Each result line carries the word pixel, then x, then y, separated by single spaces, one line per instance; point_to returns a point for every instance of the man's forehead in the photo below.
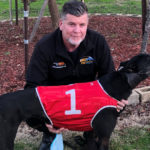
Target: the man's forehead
pixel 73 18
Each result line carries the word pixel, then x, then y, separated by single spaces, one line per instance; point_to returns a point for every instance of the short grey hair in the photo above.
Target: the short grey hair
pixel 74 7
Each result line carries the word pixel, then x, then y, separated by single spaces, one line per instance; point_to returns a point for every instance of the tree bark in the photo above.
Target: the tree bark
pixel 38 20
pixel 147 31
pixel 144 10
pixel 10 11
pixel 53 9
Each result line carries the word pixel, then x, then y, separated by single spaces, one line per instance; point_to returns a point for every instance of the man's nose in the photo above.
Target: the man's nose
pixel 77 28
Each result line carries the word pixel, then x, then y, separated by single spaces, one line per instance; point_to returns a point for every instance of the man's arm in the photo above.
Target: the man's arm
pixel 37 72
pixel 105 60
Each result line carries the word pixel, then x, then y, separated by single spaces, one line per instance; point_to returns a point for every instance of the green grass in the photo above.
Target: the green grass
pixel 114 6
pixel 94 6
pixel 4 9
pixel 23 146
pixel 131 139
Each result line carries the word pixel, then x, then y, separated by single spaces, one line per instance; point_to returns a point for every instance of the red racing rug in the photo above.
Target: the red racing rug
pixel 74 106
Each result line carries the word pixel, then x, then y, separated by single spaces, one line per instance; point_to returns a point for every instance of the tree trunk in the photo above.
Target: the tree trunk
pixel 54 13
pixel 10 11
pixel 144 10
pixel 147 31
pixel 38 20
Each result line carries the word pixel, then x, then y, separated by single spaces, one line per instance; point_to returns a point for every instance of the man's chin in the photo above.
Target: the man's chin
pixel 75 43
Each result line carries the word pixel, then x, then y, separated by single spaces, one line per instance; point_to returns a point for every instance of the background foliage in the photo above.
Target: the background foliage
pixel 94 6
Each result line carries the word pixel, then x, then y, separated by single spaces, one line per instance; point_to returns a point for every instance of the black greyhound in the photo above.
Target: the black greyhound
pixel 21 105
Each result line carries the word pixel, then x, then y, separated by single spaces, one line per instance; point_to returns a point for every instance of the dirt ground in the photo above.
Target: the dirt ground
pixel 124 35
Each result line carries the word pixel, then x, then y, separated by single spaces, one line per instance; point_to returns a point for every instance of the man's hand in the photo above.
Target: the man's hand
pixel 121 104
pixel 56 131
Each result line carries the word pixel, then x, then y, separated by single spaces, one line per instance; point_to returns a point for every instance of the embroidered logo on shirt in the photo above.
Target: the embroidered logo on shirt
pixel 86 60
pixel 59 65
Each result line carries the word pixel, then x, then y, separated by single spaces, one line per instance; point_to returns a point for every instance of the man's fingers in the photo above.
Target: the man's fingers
pixel 121 104
pixel 125 102
pixel 53 130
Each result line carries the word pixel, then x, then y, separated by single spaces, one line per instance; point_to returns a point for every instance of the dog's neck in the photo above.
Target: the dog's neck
pixel 120 84
pixel 133 79
pixel 116 85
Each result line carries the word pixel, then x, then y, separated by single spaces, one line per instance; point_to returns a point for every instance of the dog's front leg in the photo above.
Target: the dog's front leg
pixel 91 145
pixel 103 125
pixel 91 141
pixel 96 143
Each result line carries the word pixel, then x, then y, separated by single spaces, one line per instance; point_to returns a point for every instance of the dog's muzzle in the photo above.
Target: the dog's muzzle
pixel 147 73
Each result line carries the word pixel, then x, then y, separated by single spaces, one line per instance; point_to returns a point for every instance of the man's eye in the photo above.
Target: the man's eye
pixel 71 24
pixel 82 25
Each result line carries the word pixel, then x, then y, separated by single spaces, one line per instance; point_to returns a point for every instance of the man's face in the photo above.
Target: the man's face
pixel 74 29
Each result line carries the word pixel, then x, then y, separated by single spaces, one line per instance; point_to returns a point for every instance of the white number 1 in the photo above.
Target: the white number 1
pixel 73 110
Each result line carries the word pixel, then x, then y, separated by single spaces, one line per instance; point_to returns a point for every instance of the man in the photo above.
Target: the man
pixel 70 54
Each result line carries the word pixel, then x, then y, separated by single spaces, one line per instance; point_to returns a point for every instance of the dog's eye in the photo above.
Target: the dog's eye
pixel 130 70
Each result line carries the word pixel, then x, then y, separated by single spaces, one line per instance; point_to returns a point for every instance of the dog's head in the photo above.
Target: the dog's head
pixel 139 64
pixel 136 69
